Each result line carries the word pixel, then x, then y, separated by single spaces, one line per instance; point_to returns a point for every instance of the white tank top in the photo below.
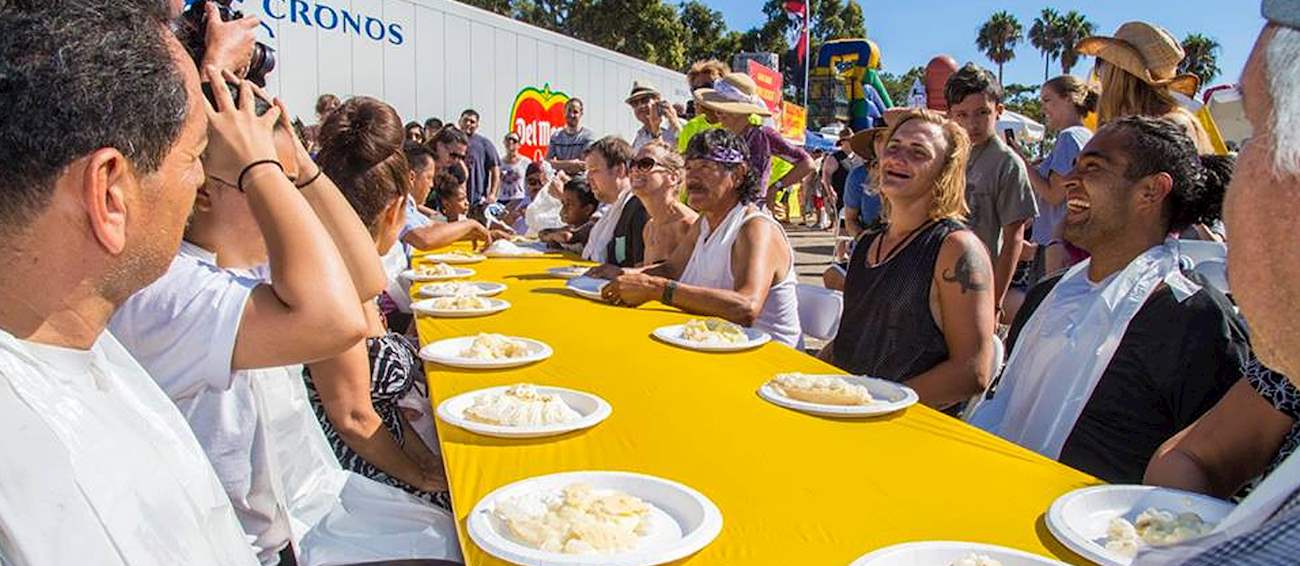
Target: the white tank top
pixel 710 266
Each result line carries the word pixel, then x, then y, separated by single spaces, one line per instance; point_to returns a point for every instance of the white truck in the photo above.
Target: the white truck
pixel 436 58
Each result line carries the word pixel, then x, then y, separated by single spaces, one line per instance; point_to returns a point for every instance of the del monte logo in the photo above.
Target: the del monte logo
pixel 534 115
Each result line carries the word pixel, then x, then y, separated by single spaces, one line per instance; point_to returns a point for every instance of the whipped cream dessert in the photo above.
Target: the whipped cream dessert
pixel 822 389
pixel 578 519
pixel 1156 527
pixel 494 347
pixel 506 247
pixel 975 560
pixel 520 405
pixel 713 331
pixel 436 268
pixel 461 302
pixel 452 288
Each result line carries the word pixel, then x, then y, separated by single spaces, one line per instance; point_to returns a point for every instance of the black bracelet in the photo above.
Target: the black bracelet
pixel 669 289
pixel 239 183
pixel 313 178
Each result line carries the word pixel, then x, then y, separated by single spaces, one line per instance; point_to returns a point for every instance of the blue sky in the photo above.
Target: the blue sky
pixel 910 32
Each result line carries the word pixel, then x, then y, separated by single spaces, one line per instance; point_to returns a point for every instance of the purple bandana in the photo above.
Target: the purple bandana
pixel 725 155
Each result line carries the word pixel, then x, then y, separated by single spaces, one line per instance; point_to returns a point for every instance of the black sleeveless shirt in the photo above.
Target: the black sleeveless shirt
pixel 887 330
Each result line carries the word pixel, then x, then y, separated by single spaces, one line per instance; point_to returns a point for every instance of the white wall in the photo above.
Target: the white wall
pixel 448 57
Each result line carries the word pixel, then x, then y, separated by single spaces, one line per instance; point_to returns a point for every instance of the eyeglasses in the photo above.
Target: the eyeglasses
pixel 459 156
pixel 645 164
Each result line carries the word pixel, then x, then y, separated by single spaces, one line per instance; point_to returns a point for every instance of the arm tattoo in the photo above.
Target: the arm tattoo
pixel 967 273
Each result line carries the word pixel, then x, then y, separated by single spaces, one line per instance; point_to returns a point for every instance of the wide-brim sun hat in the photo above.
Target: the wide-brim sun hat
pixel 642 90
pixel 734 93
pixel 863 142
pixel 1145 51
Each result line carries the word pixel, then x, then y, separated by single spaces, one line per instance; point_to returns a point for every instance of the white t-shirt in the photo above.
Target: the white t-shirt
pixel 99 467
pixel 261 434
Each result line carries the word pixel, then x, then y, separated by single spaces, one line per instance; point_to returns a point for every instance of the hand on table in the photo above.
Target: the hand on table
pixel 606 271
pixel 633 289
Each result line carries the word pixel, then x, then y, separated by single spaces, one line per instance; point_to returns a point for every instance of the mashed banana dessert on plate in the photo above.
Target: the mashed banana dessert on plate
pixel 494 347
pixel 713 331
pixel 520 405
pixel 452 288
pixel 578 520
pixel 821 389
pixel 437 268
pixel 976 560
pixel 1156 527
pixel 464 302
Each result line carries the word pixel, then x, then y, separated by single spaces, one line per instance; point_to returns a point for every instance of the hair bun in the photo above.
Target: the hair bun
pixel 367 129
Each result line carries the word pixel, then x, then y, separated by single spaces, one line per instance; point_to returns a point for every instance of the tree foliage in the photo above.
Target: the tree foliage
pixel 1073 28
pixel 1044 35
pixel 998 38
pixel 707 36
pixel 1201 57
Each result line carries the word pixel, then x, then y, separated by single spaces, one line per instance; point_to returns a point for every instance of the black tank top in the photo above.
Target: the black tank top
pixel 887 330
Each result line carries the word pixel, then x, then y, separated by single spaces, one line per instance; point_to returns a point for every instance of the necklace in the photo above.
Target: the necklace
pixel 894 249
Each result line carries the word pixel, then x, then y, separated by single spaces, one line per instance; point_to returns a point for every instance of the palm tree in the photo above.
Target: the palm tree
pixel 1201 58
pixel 1043 36
pixel 998 38
pixel 1073 28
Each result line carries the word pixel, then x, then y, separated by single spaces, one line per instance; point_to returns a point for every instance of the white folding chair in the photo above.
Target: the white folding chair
pixel 1200 250
pixel 999 352
pixel 1215 272
pixel 819 310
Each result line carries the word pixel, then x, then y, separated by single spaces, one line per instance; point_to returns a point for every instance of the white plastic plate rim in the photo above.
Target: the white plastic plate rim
pixel 498 545
pixel 576 286
pixel 907 398
pixel 567 272
pixel 425 307
pixel 456 259
pixel 430 352
pixel 452 410
pixel 944 549
pixel 485 289
pixel 672 334
pixel 460 273
pixel 1066 529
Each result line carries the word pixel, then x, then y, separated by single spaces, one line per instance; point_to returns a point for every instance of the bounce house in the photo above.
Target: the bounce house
pixel 849 66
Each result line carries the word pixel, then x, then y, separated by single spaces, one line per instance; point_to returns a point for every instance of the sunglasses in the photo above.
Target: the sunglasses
pixel 459 156
pixel 644 164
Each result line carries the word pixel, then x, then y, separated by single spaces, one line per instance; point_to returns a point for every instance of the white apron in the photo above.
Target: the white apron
pixel 1066 345
pixel 710 266
pixel 135 464
pixel 603 231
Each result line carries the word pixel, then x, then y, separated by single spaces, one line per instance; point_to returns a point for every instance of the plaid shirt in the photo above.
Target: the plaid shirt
pixel 1275 543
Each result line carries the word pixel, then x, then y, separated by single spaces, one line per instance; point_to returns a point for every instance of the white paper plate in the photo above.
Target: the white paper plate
pixel 682 521
pixel 592 408
pixel 426 307
pixel 888 397
pixel 478 288
pixel 1078 519
pixel 673 335
pixel 587 287
pixel 456 259
pixel 568 271
pixel 460 273
pixel 447 352
pixel 943 553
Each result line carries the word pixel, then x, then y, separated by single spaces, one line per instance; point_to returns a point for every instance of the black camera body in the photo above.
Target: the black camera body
pixel 194 26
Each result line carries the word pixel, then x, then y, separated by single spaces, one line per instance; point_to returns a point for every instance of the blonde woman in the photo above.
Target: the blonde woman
pixel 918 296
pixel 1138 68
pixel 656 177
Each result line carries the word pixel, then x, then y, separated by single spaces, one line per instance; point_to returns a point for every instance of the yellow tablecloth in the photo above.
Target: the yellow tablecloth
pixel 793 489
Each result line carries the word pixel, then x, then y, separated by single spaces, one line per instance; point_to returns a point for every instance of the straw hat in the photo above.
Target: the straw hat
pixel 863 142
pixel 1145 51
pixel 642 90
pixel 734 93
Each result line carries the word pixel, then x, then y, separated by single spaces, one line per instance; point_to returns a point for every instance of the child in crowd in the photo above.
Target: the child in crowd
pixel 578 211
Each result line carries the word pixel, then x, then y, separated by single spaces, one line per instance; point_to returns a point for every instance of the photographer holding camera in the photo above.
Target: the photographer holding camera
pixel 225 38
pixel 100 140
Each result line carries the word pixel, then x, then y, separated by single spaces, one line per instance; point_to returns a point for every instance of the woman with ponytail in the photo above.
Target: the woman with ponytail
pixel 1066 100
pixel 356 394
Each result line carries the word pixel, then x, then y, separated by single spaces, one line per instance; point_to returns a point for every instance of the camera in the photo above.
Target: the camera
pixel 192 31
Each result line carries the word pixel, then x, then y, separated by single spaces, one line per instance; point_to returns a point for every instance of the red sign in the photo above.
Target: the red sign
pixel 534 115
pixel 769 85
